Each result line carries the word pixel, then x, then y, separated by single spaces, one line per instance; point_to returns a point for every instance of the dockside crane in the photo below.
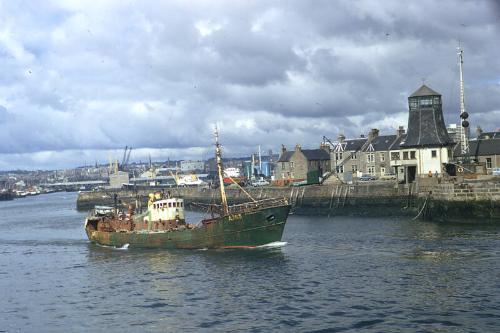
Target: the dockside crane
pixel 125 158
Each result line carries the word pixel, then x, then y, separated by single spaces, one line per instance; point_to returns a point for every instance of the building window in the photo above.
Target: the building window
pixel 382 171
pixel 426 102
pixel 413 103
pixel 340 169
pixel 370 157
pixel 371 170
pixel 291 165
pixel 394 155
pixel 382 157
pixel 353 155
pixel 282 165
pixel 488 162
pixel 434 153
pixel 354 167
pixel 412 155
pixel 338 156
pixel 405 155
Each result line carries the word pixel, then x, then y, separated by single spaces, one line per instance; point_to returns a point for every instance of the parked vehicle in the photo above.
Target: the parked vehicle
pixel 388 176
pixel 495 172
pixel 365 178
pixel 259 182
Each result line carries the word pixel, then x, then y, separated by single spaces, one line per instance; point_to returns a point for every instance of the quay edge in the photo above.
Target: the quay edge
pixel 322 200
pixel 465 202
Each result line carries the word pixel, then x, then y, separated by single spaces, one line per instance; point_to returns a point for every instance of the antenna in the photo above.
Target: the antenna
pixel 464 138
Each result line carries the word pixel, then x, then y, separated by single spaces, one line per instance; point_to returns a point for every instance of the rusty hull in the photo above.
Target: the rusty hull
pixel 246 229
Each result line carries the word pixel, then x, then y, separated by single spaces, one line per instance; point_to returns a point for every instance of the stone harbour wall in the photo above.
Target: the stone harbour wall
pixel 478 202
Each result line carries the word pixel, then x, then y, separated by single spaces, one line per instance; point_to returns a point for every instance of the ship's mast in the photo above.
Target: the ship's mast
pixel 464 140
pixel 218 157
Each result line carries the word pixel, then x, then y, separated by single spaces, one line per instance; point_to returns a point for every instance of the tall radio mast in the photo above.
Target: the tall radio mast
pixel 464 137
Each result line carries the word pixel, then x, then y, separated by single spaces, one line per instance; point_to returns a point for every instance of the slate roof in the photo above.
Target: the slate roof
pixel 310 154
pixel 481 147
pixel 285 157
pixel 352 144
pixel 316 154
pixel 383 142
pixel 489 135
pixel 424 91
pixel 396 144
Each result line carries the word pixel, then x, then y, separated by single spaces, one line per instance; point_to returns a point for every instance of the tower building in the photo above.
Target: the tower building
pixel 427 140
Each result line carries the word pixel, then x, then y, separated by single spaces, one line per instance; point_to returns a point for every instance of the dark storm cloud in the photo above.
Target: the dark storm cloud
pixel 92 77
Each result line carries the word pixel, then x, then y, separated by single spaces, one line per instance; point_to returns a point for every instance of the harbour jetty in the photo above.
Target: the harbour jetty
pixel 475 201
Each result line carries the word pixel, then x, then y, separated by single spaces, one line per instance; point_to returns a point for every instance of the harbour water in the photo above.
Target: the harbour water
pixel 333 275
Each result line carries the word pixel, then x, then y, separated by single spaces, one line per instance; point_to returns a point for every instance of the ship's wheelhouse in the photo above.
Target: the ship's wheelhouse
pixel 166 210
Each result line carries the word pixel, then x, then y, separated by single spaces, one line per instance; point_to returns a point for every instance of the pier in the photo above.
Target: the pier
pixel 471 201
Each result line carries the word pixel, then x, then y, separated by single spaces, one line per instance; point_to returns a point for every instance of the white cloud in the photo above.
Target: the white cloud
pixel 92 77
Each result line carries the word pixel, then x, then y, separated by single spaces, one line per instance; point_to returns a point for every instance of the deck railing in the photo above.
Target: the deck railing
pixel 255 205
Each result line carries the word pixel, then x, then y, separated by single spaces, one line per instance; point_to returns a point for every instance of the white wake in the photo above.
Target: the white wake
pixel 272 245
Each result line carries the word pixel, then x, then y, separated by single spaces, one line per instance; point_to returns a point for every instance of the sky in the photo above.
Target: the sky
pixel 80 80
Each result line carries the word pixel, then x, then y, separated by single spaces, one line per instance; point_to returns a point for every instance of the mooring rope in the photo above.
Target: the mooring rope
pixel 423 206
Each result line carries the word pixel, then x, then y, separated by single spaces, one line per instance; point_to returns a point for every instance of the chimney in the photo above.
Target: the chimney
pixel 325 147
pixel 341 138
pixel 373 134
pixel 479 131
pixel 283 149
pixel 297 147
pixel 400 131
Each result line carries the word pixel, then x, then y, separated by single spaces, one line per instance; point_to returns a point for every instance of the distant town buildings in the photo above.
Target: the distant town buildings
pixel 190 166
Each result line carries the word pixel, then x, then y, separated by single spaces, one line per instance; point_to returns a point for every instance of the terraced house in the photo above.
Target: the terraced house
pixel 302 164
pixel 485 148
pixel 364 155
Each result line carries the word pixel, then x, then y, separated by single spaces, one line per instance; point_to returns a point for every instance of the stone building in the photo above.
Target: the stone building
pixel 364 155
pixel 485 148
pixel 297 164
pixel 427 146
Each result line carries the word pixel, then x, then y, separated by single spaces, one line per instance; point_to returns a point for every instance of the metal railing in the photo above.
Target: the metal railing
pixel 259 204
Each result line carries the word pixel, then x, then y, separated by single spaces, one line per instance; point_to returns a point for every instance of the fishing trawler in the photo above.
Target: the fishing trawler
pixel 163 225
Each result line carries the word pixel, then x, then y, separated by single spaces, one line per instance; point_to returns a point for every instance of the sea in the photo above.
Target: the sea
pixel 337 274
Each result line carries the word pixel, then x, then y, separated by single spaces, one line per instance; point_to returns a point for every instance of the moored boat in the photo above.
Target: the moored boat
pixel 163 224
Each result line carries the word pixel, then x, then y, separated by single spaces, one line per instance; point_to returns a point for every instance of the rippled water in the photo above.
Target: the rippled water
pixel 333 275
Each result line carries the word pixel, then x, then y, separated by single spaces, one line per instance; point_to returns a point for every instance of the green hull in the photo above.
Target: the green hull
pixel 248 229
